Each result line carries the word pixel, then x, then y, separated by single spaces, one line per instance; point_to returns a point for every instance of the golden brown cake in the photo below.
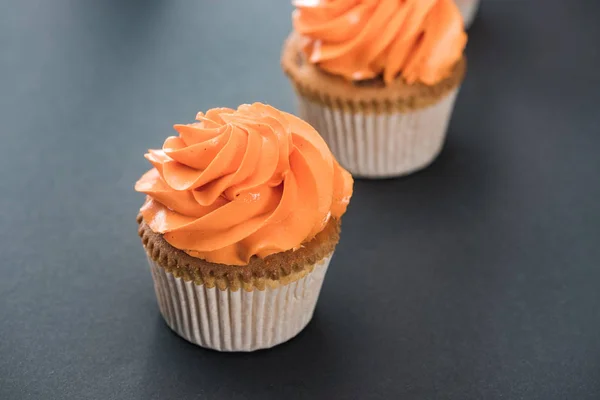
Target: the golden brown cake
pixel 370 96
pixel 272 271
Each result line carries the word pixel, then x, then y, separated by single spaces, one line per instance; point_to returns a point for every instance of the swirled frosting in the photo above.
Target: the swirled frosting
pixel 238 183
pixel 362 39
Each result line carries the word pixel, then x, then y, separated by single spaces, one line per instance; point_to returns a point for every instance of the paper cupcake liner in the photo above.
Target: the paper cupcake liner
pixel 237 320
pixel 468 10
pixel 382 145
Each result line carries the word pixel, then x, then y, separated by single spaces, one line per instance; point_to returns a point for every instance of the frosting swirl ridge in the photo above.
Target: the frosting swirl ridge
pixel 238 183
pixel 362 39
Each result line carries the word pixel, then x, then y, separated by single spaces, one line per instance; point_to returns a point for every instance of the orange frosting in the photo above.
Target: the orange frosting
pixel 363 39
pixel 238 183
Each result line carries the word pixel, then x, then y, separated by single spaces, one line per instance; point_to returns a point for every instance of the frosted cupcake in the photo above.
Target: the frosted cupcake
pixel 378 78
pixel 468 10
pixel 240 222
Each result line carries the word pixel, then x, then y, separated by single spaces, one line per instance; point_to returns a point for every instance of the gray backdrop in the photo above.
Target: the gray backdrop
pixel 474 279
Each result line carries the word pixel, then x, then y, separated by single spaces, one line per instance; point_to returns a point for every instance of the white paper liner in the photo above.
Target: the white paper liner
pixel 468 10
pixel 227 320
pixel 382 145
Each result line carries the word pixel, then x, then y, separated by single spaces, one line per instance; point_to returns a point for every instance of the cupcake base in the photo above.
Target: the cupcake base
pixel 239 308
pixel 375 130
pixel 468 10
pixel 382 145
pixel 240 320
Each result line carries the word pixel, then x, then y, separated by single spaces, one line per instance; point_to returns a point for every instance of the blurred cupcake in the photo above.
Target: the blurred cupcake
pixel 240 222
pixel 377 78
pixel 468 10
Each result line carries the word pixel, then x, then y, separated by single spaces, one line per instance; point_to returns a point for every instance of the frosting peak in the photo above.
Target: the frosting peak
pixel 238 183
pixel 362 39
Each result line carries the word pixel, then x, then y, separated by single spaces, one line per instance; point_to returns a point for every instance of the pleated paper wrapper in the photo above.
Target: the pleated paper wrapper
pixel 240 320
pixel 381 145
pixel 468 9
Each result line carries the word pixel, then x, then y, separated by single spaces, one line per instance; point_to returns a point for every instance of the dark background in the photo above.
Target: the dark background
pixel 477 278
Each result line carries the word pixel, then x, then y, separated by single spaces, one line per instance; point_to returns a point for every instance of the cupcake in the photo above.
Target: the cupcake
pixel 377 79
pixel 241 219
pixel 468 10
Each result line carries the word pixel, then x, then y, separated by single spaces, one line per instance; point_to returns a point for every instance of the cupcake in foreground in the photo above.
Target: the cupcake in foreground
pixel 241 218
pixel 377 78
pixel 468 10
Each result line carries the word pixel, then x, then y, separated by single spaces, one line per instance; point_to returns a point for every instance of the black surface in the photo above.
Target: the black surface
pixel 475 279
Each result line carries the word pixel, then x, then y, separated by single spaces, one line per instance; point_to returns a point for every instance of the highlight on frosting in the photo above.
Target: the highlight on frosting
pixel 420 40
pixel 245 182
